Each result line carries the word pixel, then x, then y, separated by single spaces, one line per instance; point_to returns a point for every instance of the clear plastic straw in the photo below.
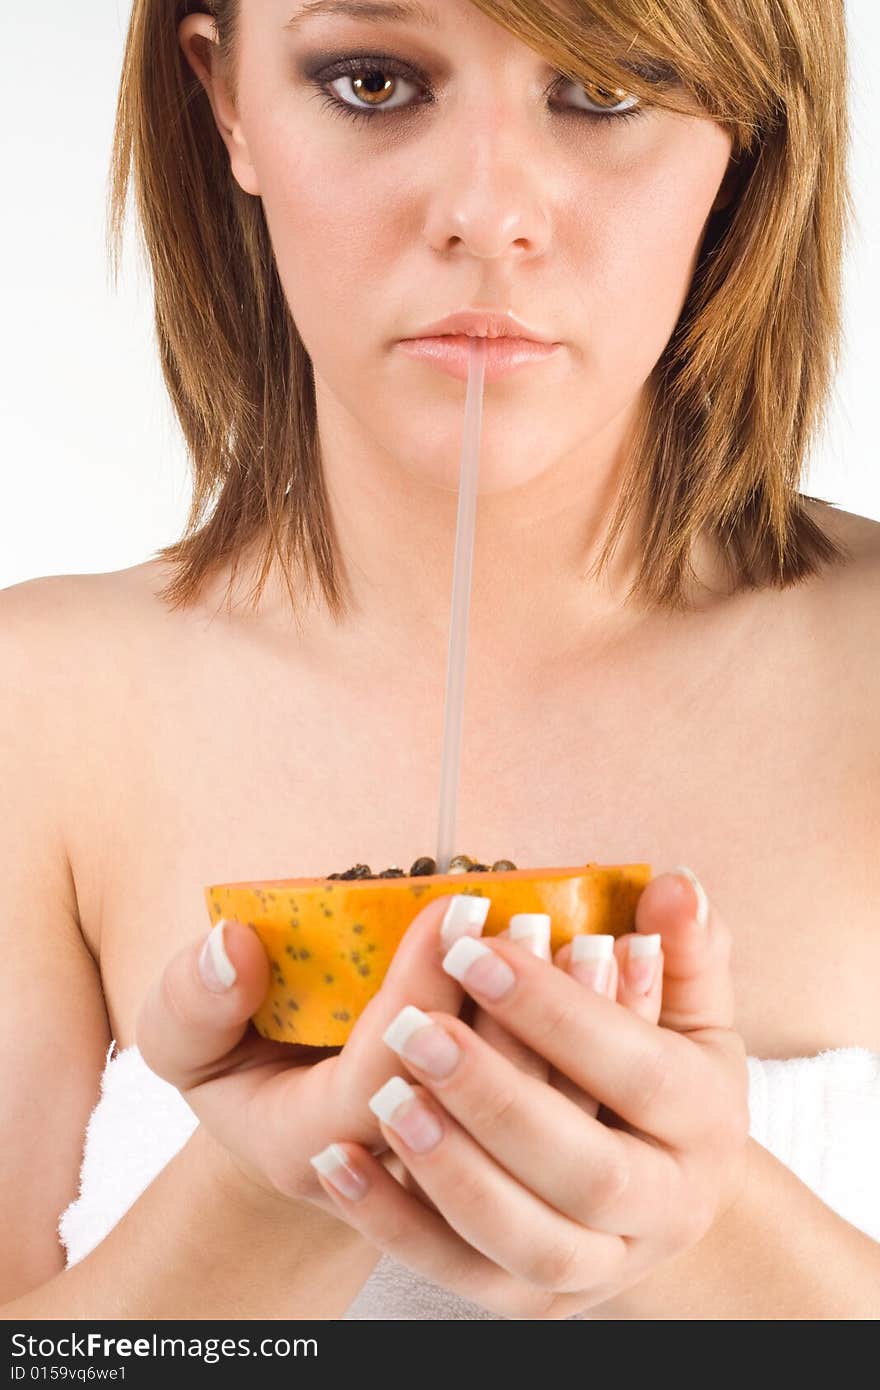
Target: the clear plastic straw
pixel 460 607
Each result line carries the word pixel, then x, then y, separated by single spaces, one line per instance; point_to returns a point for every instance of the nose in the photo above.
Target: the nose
pixel 488 195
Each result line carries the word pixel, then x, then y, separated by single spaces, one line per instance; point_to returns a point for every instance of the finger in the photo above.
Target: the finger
pixel 190 1021
pixel 601 1177
pixel 414 976
pixel 640 973
pixel 697 983
pixel 589 959
pixel 484 1201
pixel 532 933
pixel 406 1230
pixel 643 1073
pixel 392 1164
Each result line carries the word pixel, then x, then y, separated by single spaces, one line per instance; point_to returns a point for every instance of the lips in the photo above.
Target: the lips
pixel 482 323
pixel 451 352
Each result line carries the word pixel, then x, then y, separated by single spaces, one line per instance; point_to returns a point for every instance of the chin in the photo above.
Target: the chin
pixel 496 474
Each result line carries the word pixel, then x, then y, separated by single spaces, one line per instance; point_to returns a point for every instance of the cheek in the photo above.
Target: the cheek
pixel 643 268
pixel 334 238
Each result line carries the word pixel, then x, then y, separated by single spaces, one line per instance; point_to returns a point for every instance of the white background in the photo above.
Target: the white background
pixel 92 465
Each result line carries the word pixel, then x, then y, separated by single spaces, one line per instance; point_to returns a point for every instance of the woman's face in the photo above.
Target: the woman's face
pixel 478 177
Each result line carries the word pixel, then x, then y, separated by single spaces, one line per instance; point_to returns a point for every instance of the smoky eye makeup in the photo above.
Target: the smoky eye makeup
pixel 316 64
pixel 322 69
pixel 315 61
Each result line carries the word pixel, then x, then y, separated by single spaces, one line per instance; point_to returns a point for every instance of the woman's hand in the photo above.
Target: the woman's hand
pixel 601 964
pixel 272 1105
pixel 541 1209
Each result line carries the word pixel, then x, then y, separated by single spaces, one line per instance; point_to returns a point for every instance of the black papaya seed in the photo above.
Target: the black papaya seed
pixel 425 865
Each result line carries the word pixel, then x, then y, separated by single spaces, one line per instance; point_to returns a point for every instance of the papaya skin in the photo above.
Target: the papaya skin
pixel 330 941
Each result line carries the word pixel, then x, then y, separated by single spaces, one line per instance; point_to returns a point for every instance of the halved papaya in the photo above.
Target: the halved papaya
pixel 330 941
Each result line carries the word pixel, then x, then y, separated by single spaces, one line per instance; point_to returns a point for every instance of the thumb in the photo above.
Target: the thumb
pixel 696 944
pixel 198 1010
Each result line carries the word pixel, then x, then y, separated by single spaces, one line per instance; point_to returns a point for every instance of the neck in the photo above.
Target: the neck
pixel 533 601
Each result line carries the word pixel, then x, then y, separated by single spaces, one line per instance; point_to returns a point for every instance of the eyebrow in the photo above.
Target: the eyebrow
pixel 369 11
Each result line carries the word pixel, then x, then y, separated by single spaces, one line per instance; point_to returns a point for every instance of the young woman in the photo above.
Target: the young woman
pixel 672 659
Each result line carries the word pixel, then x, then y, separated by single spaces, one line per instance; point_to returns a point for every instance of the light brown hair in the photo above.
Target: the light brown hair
pixel 734 401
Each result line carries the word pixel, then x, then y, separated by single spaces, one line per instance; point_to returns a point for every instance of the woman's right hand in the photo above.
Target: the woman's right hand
pixel 272 1105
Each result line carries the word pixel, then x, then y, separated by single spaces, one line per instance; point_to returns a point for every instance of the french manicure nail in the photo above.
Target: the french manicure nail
pixel 531 930
pixel 475 965
pixel 642 958
pixel 465 916
pixel 590 961
pixel 215 967
pixel 415 1036
pixel 334 1165
pixel 398 1106
pixel 702 901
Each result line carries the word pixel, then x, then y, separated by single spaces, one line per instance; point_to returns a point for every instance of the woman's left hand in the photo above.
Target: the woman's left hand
pixel 541 1209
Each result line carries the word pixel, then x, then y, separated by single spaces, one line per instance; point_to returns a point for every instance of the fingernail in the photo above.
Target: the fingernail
pixel 215 967
pixel 702 901
pixel 532 930
pixel 398 1106
pixel 465 916
pixel 590 960
pixel 475 965
pixel 416 1037
pixel 334 1164
pixel 642 958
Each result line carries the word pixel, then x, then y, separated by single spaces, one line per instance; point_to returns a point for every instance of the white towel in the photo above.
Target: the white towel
pixel 819 1115
pixel 139 1123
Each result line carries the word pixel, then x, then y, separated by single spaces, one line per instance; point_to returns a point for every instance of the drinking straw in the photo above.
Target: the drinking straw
pixel 460 606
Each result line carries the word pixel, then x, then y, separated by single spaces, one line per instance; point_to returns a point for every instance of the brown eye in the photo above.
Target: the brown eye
pixel 379 85
pixel 373 87
pixel 602 94
pixel 607 102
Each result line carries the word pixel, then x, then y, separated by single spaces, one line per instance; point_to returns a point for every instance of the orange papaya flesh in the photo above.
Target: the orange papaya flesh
pixel 330 941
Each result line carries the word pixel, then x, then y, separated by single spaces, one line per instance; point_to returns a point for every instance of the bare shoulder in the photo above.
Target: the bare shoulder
pixel 858 530
pixel 59 633
pixel 87 644
pixel 68 602
pixel 80 640
pixel 851 588
pixel 74 627
pixel 843 615
pixel 65 642
pixel 42 625
pixel 42 655
pixel 860 534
